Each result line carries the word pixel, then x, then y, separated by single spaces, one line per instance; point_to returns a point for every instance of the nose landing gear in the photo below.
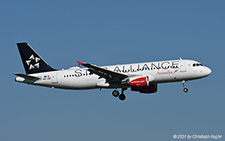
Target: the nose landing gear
pixel 184 85
pixel 185 90
pixel 122 96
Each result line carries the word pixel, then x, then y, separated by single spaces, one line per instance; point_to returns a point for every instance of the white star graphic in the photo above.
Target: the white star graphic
pixel 32 66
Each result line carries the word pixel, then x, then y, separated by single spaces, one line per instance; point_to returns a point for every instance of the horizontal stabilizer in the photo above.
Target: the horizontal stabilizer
pixel 27 76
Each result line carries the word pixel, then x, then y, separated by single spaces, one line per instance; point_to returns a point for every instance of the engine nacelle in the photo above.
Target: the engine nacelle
pixel 152 88
pixel 138 81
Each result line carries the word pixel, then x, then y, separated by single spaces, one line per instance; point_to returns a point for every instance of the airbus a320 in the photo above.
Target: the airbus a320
pixel 140 77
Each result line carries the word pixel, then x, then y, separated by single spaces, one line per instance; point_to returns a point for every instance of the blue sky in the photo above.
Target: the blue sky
pixel 105 33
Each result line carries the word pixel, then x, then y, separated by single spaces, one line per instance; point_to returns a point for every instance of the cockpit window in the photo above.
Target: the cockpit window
pixel 197 64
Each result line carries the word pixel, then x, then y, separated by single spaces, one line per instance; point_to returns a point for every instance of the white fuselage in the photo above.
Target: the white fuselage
pixel 159 72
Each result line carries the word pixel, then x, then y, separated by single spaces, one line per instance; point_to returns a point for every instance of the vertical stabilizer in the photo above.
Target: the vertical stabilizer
pixel 32 62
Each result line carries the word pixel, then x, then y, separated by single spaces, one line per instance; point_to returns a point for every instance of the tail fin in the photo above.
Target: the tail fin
pixel 32 62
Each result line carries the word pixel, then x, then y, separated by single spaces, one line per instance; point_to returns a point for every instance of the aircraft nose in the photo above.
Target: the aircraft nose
pixel 207 71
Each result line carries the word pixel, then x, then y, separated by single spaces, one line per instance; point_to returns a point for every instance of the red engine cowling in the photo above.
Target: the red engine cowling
pixel 152 88
pixel 139 82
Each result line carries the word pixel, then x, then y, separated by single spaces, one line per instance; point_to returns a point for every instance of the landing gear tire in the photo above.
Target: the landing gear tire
pixel 115 93
pixel 122 97
pixel 185 90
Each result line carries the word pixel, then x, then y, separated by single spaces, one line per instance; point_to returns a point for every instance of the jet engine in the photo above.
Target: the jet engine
pixel 141 83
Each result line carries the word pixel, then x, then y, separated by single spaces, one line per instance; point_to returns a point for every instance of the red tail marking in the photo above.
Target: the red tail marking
pixel 79 63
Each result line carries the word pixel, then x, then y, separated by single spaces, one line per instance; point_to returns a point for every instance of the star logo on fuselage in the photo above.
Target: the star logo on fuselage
pixel 32 62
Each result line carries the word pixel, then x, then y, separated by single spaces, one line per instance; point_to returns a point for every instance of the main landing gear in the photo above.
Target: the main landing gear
pixel 115 93
pixel 122 97
pixel 184 85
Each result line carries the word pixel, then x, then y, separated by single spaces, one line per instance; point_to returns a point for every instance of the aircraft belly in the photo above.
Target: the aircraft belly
pixel 159 79
pixel 85 84
pixel 79 83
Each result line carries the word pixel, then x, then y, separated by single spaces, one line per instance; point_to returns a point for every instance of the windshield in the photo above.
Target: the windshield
pixel 197 64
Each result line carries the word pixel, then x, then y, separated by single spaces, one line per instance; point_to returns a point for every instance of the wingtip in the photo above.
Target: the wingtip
pixel 79 63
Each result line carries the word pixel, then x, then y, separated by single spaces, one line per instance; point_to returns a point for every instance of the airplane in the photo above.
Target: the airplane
pixel 140 77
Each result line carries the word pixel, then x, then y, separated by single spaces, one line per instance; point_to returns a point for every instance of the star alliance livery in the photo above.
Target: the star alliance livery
pixel 141 77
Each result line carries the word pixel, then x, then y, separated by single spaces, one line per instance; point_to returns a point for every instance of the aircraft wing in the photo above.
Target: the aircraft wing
pixel 109 75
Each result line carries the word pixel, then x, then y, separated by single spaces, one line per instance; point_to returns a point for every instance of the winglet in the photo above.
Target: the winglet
pixel 79 63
